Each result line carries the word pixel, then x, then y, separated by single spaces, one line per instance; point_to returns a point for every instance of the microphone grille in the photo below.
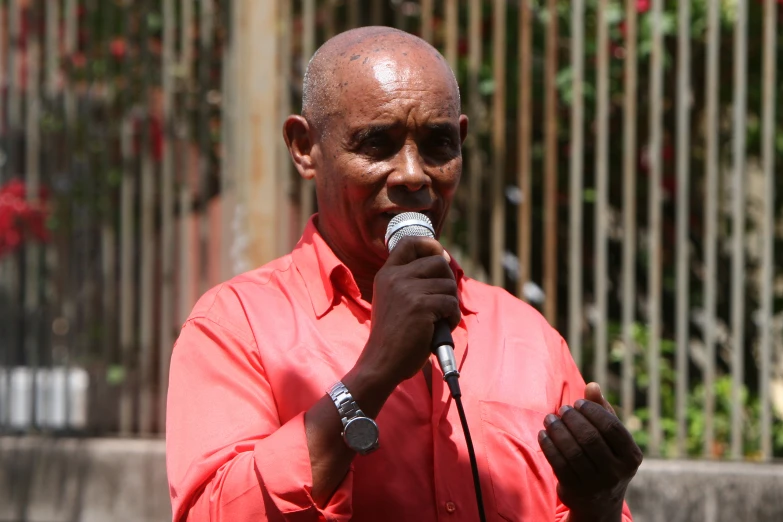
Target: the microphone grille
pixel 408 224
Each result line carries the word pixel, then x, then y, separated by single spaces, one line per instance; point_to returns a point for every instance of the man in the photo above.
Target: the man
pixel 265 360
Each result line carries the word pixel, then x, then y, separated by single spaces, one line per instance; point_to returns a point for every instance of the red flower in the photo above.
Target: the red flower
pixel 20 218
pixel 642 5
pixel 117 48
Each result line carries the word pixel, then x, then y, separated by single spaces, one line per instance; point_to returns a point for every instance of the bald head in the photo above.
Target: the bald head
pixel 359 53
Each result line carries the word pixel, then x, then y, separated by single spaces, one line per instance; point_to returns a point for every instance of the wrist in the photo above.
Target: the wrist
pixel 369 390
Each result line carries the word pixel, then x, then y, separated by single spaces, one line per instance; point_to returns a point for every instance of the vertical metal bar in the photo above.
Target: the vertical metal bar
pixel 5 363
pixel 525 138
pixel 654 274
pixel 427 7
pixel 452 23
pixel 185 165
pixel 683 214
pixel 286 170
pixel 576 182
pixel 768 226
pixel 52 286
pixel 306 188
pixel 227 181
pixel 3 126
pixel 52 51
pixel 738 226
pixel 550 166
pixel 32 176
pixel 14 96
pixel 498 141
pixel 107 217
pixel 6 358
pixel 148 246
pixel 602 196
pixel 127 271
pixel 167 214
pixel 452 31
pixel 206 36
pixel 69 44
pixel 69 308
pixel 711 221
pixel 474 160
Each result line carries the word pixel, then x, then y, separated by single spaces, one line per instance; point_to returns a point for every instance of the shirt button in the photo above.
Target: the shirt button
pixel 451 507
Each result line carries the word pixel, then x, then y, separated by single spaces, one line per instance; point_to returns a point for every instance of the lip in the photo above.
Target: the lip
pixel 390 213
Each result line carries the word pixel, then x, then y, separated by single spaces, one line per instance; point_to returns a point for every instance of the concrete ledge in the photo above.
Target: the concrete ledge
pixel 685 491
pixel 83 480
pixel 119 480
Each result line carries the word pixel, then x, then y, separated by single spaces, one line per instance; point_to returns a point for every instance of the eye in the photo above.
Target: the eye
pixel 441 146
pixel 376 145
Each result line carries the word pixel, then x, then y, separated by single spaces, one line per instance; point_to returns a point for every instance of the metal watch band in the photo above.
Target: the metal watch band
pixel 344 402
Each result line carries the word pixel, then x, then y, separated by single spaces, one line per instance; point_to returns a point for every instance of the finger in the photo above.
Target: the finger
pixel 411 248
pixel 443 307
pixel 429 267
pixel 617 437
pixel 565 475
pixel 566 443
pixel 438 286
pixel 593 393
pixel 588 437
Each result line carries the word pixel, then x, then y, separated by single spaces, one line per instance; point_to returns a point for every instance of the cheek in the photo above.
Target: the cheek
pixel 449 176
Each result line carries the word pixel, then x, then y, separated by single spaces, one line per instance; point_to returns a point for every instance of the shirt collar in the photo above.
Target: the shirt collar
pixel 320 268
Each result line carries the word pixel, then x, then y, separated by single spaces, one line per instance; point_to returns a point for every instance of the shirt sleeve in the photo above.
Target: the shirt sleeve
pixel 572 389
pixel 228 456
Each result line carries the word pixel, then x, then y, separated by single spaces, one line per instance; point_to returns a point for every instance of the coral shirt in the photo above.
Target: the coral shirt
pixel 261 349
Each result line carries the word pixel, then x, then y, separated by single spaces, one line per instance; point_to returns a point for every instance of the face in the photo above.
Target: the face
pixel 394 145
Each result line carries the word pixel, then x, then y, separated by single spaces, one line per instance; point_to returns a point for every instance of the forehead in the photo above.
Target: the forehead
pixel 397 84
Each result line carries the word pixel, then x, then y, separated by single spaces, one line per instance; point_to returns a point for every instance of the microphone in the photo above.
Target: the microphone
pixel 417 224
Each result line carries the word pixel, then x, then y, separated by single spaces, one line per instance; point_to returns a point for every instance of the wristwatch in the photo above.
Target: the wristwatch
pixel 360 432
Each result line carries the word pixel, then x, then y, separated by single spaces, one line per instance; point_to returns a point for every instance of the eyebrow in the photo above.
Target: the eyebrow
pixel 444 128
pixel 372 130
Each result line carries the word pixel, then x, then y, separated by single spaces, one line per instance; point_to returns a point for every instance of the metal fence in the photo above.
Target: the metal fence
pixel 620 175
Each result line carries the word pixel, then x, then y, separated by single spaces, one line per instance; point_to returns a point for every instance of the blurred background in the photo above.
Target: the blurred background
pixel 622 174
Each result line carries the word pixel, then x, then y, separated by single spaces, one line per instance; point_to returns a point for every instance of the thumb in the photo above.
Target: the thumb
pixel 593 394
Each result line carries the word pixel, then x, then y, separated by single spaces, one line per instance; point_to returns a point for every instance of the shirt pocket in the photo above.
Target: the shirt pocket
pixel 523 484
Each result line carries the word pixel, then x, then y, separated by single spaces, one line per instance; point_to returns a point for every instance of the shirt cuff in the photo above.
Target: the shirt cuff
pixel 283 465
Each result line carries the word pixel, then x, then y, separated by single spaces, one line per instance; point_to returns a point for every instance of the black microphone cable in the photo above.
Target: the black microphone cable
pixel 416 224
pixel 443 347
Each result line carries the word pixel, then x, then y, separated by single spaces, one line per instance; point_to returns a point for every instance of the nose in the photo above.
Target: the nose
pixel 409 171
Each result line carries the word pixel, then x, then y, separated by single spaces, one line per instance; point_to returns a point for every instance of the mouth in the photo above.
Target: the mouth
pixel 391 213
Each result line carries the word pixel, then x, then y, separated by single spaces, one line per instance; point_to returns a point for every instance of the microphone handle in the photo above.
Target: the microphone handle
pixel 443 348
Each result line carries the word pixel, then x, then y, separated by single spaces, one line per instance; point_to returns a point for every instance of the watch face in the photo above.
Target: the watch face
pixel 361 434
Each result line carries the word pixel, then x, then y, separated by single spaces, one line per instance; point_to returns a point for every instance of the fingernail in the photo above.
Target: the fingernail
pixel 579 403
pixel 542 436
pixel 549 419
pixel 447 256
pixel 563 409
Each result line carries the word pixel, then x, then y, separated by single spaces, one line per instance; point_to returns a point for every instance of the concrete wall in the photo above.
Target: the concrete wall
pixel 116 480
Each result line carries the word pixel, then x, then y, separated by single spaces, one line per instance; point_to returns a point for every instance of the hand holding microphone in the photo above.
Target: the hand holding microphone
pixel 413 292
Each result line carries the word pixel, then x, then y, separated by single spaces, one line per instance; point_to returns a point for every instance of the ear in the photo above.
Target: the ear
pixel 298 139
pixel 463 128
